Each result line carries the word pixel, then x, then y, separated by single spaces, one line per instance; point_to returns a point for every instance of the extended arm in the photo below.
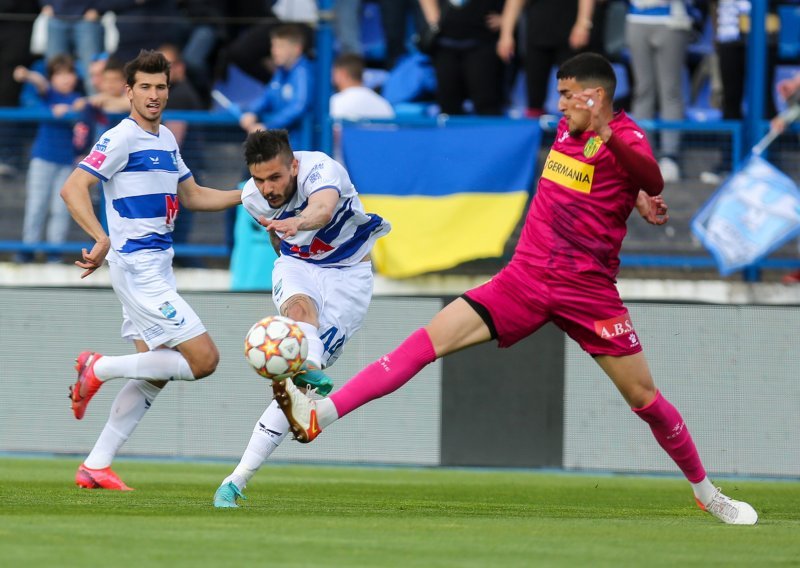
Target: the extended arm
pixel 642 167
pixel 316 215
pixel 25 75
pixel 75 194
pixel 200 198
pixel 652 208
pixel 581 29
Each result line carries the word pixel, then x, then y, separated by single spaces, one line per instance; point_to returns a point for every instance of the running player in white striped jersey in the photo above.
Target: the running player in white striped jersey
pixel 145 183
pixel 323 277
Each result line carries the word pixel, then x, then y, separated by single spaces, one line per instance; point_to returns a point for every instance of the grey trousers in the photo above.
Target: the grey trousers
pixel 43 203
pixel 658 58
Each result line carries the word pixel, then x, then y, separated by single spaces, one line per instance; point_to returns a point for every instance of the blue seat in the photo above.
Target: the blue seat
pixel 239 87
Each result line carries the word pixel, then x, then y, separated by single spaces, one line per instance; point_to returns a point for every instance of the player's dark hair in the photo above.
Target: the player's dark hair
pixel 351 64
pixel 113 64
pixel 148 61
pixel 60 63
pixel 590 69
pixel 265 145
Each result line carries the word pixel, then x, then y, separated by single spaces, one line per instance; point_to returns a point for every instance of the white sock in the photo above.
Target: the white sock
pixel 156 365
pixel 326 413
pixel 315 346
pixel 128 408
pixel 269 432
pixel 704 491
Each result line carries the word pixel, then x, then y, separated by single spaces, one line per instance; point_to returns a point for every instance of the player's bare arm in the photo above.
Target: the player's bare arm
pixel 200 198
pixel 506 44
pixel 275 241
pixel 652 208
pixel 316 215
pixel 75 194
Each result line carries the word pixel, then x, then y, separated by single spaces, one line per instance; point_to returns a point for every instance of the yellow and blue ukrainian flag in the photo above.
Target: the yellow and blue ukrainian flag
pixel 452 193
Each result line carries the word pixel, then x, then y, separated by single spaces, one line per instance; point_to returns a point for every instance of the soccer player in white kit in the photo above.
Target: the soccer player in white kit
pixel 323 276
pixel 145 183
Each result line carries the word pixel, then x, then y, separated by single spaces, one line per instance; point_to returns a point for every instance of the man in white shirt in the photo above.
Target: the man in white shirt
pixel 354 101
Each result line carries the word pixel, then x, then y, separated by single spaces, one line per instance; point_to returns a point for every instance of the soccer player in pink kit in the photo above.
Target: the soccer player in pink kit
pixel 564 270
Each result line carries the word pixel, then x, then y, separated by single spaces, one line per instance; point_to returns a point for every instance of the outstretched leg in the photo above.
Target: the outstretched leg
pixel 632 377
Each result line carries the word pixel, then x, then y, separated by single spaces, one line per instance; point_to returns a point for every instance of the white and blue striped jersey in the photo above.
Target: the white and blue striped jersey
pixel 140 172
pixel 350 234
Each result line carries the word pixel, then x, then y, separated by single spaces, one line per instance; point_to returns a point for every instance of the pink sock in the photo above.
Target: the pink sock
pixel 672 434
pixel 387 374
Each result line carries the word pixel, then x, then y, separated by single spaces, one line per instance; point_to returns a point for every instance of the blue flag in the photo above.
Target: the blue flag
pixel 753 213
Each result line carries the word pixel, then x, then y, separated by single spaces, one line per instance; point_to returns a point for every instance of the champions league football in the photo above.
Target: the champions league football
pixel 276 347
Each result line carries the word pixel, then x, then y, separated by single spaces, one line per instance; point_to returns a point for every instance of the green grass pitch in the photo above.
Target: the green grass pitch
pixel 375 517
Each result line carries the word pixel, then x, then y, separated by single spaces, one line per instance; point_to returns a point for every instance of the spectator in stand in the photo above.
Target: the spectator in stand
pixel 206 35
pixel 353 100
pixel 348 26
pixel 98 113
pixel 288 97
pixel 732 29
pixel 146 24
pixel 554 32
pixel 789 90
pixel 182 96
pixel 52 157
pixel 74 28
pixel 395 17
pixel 111 98
pixel 94 74
pixel 15 41
pixel 247 48
pixel 658 33
pixel 464 57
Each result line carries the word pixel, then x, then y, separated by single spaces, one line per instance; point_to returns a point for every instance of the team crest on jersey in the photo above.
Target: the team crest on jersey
pixel 592 146
pixel 168 310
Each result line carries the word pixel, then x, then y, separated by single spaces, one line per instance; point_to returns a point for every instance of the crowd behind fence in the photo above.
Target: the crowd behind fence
pixel 216 159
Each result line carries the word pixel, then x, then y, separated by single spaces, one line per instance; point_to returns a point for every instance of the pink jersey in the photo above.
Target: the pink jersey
pixel 576 221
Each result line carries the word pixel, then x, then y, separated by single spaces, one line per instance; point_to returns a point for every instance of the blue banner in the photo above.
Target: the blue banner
pixel 753 213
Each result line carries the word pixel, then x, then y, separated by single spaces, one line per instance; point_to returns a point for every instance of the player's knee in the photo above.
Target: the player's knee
pixel 299 308
pixel 205 364
pixel 641 396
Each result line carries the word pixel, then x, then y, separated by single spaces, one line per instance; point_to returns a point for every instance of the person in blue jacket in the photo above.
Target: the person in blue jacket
pixel 287 100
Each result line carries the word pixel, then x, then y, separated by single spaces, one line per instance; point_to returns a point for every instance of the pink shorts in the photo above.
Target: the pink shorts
pixel 520 299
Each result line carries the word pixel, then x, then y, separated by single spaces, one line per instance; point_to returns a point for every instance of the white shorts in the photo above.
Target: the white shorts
pixel 152 309
pixel 342 296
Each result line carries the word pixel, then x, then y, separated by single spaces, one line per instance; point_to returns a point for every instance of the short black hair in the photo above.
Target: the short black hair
pixel 114 64
pixel 148 61
pixel 265 145
pixel 352 64
pixel 290 32
pixel 590 68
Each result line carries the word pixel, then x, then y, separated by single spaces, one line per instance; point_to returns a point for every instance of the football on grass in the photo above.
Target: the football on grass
pixel 276 347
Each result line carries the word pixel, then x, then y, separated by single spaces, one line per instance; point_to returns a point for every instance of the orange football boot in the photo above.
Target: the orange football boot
pixel 87 384
pixel 99 479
